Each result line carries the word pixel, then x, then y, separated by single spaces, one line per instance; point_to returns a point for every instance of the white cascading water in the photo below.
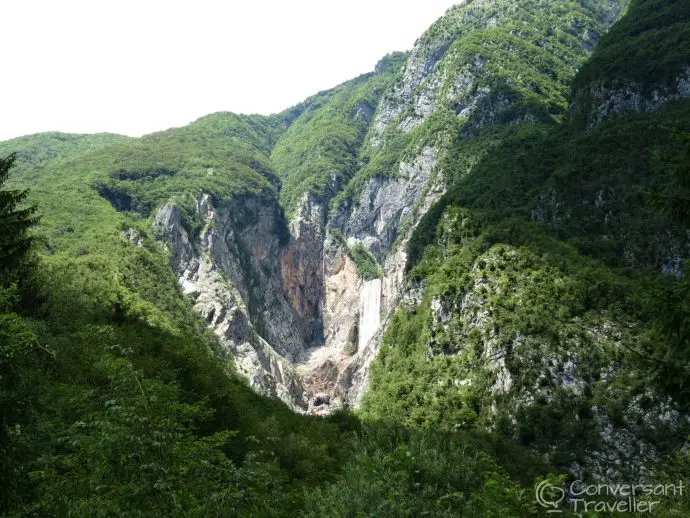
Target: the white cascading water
pixel 369 310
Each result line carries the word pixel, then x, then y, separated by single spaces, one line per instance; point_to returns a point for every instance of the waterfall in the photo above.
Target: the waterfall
pixel 369 310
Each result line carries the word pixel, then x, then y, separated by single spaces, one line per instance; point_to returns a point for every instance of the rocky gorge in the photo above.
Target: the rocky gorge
pixel 424 291
pixel 285 296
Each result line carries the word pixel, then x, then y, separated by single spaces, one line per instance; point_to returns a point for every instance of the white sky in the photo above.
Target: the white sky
pixel 133 67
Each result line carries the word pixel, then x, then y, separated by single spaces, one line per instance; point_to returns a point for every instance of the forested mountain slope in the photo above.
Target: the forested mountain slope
pixel 538 309
pixel 480 245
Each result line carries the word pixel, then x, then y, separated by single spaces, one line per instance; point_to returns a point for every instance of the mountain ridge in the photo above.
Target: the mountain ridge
pixel 462 244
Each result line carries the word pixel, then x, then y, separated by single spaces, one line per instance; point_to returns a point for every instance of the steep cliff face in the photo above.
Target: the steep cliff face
pixel 604 100
pixel 274 270
pixel 504 334
pixel 361 166
pixel 452 84
pixel 534 331
pixel 385 203
pixel 358 309
pixel 232 274
pixel 301 265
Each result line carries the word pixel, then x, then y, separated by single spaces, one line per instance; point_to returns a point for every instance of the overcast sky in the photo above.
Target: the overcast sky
pixel 133 67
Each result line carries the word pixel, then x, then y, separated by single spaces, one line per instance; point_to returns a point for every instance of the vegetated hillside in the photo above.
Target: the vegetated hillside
pixel 222 154
pixel 483 66
pixel 117 400
pixel 647 49
pixel 463 72
pixel 36 150
pixel 539 311
pixel 318 153
pixel 113 400
pixel 535 336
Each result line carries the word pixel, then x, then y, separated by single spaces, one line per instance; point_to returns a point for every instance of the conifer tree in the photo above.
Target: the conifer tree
pixel 14 221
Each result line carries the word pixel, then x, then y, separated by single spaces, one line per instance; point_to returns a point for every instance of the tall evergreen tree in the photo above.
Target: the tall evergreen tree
pixel 18 345
pixel 14 221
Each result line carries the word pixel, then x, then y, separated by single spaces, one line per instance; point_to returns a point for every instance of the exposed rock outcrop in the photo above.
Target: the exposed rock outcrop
pixel 566 371
pixel 387 212
pixel 294 286
pixel 604 101
pixel 384 203
pixel 301 264
pixel 225 270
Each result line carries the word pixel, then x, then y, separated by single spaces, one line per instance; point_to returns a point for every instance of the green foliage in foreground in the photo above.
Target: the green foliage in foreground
pixel 116 399
pixel 131 411
pixel 113 402
pixel 398 473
